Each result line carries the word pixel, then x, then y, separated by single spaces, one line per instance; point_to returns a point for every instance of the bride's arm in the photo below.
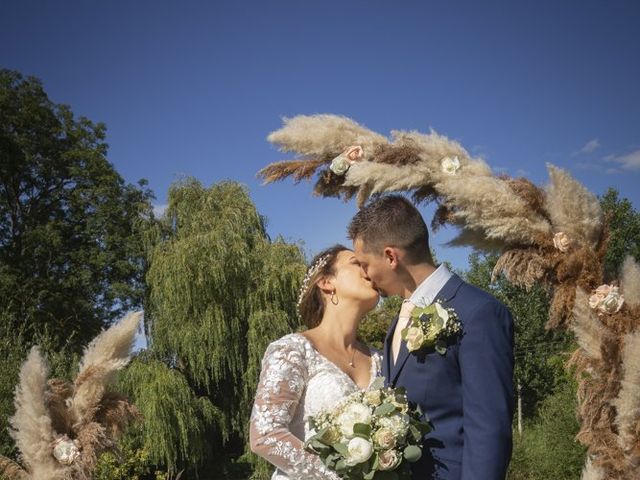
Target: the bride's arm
pixel 282 382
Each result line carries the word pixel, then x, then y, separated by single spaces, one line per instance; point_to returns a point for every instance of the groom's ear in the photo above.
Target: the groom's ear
pixel 391 256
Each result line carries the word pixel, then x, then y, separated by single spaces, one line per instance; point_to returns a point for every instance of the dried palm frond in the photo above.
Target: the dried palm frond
pixel 523 267
pixel 58 393
pixel 330 185
pixel 299 169
pixel 115 413
pixel 397 154
pixel 11 470
pixel 527 191
pixel 561 306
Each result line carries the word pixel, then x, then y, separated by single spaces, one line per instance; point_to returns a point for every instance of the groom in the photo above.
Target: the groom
pixel 466 391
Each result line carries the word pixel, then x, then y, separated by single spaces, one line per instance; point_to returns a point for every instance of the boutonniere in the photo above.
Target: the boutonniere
pixel 431 326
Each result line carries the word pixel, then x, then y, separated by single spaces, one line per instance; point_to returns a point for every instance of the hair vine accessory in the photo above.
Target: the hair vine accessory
pixel 315 268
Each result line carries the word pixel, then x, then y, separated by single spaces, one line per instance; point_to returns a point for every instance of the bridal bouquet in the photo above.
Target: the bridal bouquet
pixel 369 435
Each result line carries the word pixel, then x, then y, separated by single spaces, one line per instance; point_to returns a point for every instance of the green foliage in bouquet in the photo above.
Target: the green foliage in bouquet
pixel 371 435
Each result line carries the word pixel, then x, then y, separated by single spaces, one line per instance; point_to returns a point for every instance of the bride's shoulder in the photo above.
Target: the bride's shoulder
pixel 292 342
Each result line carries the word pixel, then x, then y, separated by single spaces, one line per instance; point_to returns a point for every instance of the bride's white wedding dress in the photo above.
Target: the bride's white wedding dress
pixel 296 382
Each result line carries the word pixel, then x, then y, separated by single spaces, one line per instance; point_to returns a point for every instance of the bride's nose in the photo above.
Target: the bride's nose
pixel 364 274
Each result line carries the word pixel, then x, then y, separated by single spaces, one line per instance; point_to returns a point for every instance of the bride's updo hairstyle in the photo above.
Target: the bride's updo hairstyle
pixel 310 302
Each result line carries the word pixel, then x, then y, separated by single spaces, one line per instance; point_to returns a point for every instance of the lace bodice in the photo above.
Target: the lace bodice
pixel 296 382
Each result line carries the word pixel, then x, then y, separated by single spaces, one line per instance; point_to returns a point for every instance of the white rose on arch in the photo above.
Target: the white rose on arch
pixel 562 242
pixel 606 299
pixel 450 165
pixel 613 302
pixel 65 450
pixel 340 165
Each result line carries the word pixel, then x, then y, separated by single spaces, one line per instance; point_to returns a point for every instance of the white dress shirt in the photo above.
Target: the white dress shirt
pixel 430 286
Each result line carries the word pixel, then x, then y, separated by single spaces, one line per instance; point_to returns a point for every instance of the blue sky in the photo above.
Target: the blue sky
pixel 194 87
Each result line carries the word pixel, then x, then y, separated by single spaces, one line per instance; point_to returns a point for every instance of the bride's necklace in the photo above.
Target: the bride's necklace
pixel 353 356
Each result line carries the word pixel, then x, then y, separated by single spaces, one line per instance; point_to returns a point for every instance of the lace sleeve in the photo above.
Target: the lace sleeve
pixel 282 382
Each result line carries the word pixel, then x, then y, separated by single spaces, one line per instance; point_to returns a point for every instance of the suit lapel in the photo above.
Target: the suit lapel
pixel 445 294
pixel 387 360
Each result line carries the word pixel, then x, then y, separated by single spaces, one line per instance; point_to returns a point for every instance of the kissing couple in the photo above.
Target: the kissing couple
pixel 458 372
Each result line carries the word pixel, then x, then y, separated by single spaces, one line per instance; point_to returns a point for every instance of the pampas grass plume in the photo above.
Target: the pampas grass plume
pixel 31 424
pixel 106 354
pixel 588 329
pixel 628 401
pixel 591 471
pixel 630 281
pixel 323 135
pixel 572 208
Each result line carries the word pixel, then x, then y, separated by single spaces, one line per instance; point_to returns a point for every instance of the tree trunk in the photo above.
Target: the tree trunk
pixel 519 409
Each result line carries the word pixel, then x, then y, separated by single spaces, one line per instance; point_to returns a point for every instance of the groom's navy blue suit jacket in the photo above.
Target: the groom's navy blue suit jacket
pixel 467 394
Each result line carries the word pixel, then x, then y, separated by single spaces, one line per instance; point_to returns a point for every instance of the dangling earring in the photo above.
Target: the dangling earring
pixel 333 294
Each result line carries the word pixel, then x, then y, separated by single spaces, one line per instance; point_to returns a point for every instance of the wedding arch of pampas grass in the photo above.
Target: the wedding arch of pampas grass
pixel 61 427
pixel 555 235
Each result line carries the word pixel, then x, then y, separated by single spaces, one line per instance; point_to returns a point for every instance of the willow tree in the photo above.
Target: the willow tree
pixel 219 289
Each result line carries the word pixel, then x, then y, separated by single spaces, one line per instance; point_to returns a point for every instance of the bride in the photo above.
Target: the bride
pixel 303 373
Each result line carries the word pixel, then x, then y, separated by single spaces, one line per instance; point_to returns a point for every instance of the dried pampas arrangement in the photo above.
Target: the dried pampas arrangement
pixel 60 428
pixel 555 236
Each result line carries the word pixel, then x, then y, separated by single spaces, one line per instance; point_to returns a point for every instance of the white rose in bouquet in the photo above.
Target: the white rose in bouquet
pixel 390 430
pixel 384 438
pixel 388 460
pixel 359 451
pixel 398 423
pixel 373 397
pixel 352 414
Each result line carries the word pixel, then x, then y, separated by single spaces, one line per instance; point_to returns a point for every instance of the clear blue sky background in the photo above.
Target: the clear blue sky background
pixel 194 87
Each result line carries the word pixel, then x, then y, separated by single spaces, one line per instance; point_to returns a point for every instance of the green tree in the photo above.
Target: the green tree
pixel 548 448
pixel 71 259
pixel 219 291
pixel 624 231
pixel 71 253
pixel 374 326
pixel 539 353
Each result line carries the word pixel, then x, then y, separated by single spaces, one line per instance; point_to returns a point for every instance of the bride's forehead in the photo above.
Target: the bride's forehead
pixel 345 256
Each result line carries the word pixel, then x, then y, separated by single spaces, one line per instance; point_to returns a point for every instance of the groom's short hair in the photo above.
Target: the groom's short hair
pixel 392 221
